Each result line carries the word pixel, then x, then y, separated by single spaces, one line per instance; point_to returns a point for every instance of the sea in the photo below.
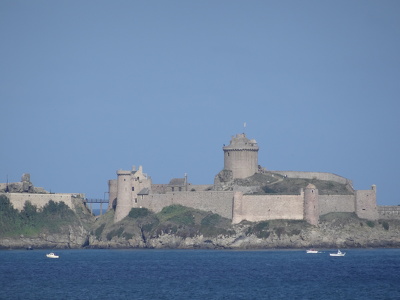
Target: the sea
pixel 200 274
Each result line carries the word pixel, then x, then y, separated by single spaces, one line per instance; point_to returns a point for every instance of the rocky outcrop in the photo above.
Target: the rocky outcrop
pixel 25 186
pixel 58 228
pixel 210 231
pixel 73 237
pixel 334 231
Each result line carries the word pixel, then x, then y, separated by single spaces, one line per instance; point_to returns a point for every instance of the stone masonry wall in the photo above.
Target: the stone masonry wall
pixel 40 200
pixel 164 188
pixel 216 202
pixel 336 203
pixel 200 187
pixel 159 188
pixel 255 208
pixel 389 212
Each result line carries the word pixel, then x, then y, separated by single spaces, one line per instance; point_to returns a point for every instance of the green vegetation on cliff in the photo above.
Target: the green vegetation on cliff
pixel 175 219
pixel 271 183
pixel 177 226
pixel 185 222
pixel 264 229
pixel 32 221
pixel 293 186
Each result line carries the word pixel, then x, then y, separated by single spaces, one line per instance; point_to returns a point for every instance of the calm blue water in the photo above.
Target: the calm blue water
pixel 198 274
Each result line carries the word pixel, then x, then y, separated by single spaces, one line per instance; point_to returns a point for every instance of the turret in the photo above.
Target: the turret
pixel 124 195
pixel 241 156
pixel 311 207
pixel 112 193
pixel 366 204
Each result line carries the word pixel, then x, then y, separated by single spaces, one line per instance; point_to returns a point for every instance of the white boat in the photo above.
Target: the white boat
pixel 338 253
pixel 312 251
pixel 52 255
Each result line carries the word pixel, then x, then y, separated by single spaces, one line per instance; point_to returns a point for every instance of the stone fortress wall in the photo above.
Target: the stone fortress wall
pixel 215 201
pixel 363 203
pixel 336 203
pixel 18 199
pixel 20 192
pixel 257 208
pixel 249 207
pixel 389 212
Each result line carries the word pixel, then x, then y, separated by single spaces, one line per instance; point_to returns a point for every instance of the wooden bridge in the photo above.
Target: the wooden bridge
pixel 91 201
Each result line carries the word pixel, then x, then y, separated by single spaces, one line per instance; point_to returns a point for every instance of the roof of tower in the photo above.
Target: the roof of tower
pixel 241 142
pixel 123 172
pixel 311 186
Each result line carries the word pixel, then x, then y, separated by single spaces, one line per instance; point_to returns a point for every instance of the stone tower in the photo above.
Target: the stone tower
pixel 311 207
pixel 123 192
pixel 366 204
pixel 124 195
pixel 241 156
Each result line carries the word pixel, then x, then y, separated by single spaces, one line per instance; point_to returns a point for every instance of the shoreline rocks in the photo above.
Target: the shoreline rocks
pixel 337 232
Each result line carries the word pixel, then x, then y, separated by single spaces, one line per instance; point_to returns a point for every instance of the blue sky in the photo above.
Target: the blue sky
pixel 90 87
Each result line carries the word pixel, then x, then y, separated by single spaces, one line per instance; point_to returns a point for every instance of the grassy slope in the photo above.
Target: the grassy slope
pixel 175 219
pixel 277 184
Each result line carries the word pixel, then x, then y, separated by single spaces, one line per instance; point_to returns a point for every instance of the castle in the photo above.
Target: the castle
pixel 230 198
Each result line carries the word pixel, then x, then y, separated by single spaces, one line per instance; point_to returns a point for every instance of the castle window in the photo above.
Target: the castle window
pixel 180 189
pixel 135 200
pixel 172 189
pixel 133 188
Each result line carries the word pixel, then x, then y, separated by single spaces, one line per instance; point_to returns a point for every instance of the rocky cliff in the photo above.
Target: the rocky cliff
pixel 54 226
pixel 73 237
pixel 192 229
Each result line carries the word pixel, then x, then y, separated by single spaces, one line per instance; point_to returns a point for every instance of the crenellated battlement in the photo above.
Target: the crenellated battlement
pixel 389 212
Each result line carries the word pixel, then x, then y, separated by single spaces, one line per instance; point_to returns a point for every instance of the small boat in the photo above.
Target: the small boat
pixel 52 255
pixel 338 253
pixel 312 251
